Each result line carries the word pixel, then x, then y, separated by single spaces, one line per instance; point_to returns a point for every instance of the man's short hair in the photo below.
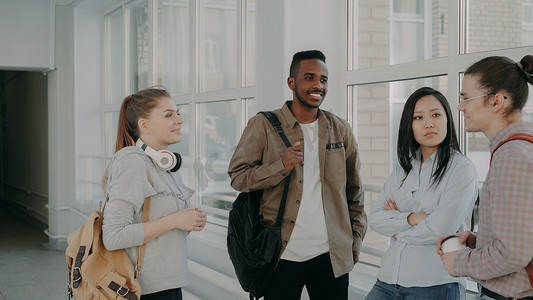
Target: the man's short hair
pixel 304 55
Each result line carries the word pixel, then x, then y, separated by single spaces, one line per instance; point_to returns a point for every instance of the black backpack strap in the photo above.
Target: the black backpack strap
pixel 271 116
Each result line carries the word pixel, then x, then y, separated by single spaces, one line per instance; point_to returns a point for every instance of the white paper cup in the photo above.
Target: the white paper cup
pixel 451 243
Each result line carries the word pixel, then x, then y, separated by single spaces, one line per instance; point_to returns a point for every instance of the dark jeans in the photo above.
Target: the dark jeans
pixel 385 291
pixel 315 274
pixel 173 294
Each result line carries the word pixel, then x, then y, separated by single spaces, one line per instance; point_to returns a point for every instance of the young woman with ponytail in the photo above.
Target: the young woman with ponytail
pixel 149 122
pixel 494 92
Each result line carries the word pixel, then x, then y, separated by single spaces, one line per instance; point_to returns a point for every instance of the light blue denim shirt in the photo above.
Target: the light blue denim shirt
pixel 411 259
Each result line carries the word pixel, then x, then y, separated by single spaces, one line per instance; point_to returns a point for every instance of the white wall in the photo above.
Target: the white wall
pixel 299 25
pixel 25 34
pixel 319 24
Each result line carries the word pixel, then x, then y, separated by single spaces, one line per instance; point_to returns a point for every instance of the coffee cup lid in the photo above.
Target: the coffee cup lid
pixel 449 237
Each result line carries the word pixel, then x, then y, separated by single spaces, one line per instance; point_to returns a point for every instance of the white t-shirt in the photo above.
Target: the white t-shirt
pixel 309 237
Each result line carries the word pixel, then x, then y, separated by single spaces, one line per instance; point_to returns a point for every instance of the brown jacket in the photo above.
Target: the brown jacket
pixel 257 164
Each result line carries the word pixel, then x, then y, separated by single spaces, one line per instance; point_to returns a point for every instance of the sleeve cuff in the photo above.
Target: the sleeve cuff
pixel 460 264
pixel 278 169
pixel 138 233
pixel 357 242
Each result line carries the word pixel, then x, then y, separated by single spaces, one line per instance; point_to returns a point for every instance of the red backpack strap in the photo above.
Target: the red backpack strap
pixel 516 136
pixel 526 137
pixel 529 270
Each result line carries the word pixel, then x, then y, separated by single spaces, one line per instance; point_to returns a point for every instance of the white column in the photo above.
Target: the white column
pixel 286 27
pixel 61 142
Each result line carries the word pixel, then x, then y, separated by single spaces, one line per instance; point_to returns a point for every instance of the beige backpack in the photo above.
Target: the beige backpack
pixel 96 273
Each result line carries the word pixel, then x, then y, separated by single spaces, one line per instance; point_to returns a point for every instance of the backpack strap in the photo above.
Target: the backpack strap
pixel 529 138
pixel 76 268
pixel 516 136
pixel 141 250
pixel 529 271
pixel 122 291
pixel 271 116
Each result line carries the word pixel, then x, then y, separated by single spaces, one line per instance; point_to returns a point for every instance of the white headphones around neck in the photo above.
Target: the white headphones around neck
pixel 164 159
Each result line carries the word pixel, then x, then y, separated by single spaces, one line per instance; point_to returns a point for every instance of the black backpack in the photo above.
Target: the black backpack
pixel 254 250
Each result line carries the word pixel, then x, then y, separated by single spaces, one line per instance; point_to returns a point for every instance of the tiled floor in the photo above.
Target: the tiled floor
pixel 28 270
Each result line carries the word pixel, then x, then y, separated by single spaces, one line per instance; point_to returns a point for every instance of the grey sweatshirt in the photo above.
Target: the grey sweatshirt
pixel 165 261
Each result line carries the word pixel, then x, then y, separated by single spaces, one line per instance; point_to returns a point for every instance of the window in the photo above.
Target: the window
pixel 494 24
pixel 173 59
pixel 527 35
pixel 397 46
pixel 397 31
pixel 192 52
pixel 114 62
pixel 218 45
pixel 139 45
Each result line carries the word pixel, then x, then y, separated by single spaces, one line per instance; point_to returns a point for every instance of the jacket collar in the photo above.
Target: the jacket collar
pixel 291 120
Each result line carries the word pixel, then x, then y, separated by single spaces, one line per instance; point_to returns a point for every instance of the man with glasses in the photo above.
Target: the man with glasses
pixel 498 257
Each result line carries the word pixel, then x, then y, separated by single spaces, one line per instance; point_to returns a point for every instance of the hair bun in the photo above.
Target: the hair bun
pixel 526 66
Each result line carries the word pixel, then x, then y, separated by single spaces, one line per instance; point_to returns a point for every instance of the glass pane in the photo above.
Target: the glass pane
pixel 173 46
pixel 183 147
pixel 250 42
pixel 408 8
pixel 218 45
pixel 251 109
pixel 410 30
pixel 527 34
pixel 405 36
pixel 495 24
pixel 378 108
pixel 111 124
pixel 139 45
pixel 217 136
pixel 114 57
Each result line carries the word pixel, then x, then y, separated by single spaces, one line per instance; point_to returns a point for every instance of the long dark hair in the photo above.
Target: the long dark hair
pixel 500 73
pixel 407 144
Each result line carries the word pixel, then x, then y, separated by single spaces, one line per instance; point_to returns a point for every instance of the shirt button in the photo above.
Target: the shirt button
pixel 300 181
pixel 285 242
pixel 284 174
pixel 301 139
pixel 292 222
pixel 297 201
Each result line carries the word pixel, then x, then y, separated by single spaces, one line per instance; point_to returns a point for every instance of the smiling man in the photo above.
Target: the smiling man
pixel 324 222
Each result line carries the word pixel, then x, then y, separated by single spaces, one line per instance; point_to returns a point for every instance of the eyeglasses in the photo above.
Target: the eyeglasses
pixel 463 100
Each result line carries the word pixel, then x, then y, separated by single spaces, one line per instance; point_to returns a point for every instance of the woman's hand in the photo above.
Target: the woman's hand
pixel 190 219
pixel 390 204
pixel 415 218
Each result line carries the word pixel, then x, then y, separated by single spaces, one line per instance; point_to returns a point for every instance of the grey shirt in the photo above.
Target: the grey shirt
pixel 165 261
